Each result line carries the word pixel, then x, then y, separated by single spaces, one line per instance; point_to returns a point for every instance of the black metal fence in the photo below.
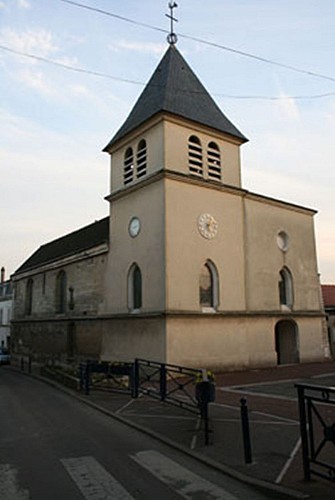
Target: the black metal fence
pixel 317 427
pixel 188 388
pixel 170 383
pixel 105 375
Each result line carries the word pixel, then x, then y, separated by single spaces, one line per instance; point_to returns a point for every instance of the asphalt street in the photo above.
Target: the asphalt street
pixel 55 447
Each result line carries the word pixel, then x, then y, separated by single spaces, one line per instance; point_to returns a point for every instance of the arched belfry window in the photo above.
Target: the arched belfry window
pixel 141 159
pixel 29 296
pixel 61 292
pixel 134 288
pixel 285 287
pixel 128 172
pixel 209 286
pixel 195 161
pixel 214 161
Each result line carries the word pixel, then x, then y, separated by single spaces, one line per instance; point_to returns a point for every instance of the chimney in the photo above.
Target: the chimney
pixel 2 275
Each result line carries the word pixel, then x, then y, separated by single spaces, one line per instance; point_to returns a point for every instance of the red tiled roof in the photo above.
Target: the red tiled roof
pixel 328 294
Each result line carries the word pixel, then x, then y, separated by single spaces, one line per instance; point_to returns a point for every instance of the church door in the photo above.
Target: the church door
pixel 286 342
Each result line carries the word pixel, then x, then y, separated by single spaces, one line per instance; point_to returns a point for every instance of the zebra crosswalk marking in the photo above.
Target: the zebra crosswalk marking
pixel 186 483
pixel 94 482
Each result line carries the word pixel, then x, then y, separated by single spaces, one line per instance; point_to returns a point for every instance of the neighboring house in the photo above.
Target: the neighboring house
pixel 194 269
pixel 6 300
pixel 328 295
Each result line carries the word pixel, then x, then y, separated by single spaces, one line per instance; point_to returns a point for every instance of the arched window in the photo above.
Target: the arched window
pixel 61 292
pixel 128 172
pixel 134 288
pixel 285 287
pixel 209 286
pixel 214 161
pixel 29 296
pixel 141 158
pixel 195 164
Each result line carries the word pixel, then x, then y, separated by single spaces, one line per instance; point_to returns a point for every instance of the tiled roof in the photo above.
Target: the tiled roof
pixel 328 295
pixel 174 88
pixel 83 239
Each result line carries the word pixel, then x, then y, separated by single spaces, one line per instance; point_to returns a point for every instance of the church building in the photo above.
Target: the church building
pixel 189 268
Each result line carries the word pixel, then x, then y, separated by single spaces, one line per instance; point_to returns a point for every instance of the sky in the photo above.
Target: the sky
pixel 70 75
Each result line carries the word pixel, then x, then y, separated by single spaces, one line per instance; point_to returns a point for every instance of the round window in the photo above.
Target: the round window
pixel 283 241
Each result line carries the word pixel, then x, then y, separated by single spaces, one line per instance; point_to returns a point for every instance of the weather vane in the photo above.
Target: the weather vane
pixel 172 37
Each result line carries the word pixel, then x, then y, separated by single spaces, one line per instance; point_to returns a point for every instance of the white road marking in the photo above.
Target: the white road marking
pixel 195 436
pixel 184 482
pixel 94 482
pixel 9 486
pixel 288 462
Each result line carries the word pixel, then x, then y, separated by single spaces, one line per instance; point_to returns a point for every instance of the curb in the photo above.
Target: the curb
pixel 276 490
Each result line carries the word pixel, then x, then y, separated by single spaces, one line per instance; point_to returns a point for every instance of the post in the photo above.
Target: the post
pixel 81 376
pixel 206 421
pixel 22 364
pixel 162 381
pixel 246 431
pixel 303 433
pixel 135 379
pixel 87 378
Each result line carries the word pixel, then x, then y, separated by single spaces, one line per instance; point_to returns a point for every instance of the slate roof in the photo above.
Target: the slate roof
pixel 174 88
pixel 83 239
pixel 328 295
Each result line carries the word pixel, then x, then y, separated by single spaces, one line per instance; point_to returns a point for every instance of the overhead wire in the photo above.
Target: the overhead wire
pixel 205 42
pixel 136 82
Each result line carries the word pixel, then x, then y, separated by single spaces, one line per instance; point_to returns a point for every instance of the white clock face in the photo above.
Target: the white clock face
pixel 134 227
pixel 207 226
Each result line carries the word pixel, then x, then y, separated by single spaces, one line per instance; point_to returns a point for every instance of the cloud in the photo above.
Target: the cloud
pixel 23 4
pixel 37 42
pixel 37 81
pixel 287 108
pixel 147 47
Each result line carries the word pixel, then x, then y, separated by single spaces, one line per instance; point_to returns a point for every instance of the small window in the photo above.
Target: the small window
pixel 209 286
pixel 61 292
pixel 285 288
pixel 128 173
pixel 141 159
pixel 283 241
pixel 195 164
pixel 214 161
pixel 134 288
pixel 29 297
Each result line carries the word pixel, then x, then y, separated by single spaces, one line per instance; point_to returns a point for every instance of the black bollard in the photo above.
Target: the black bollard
pixel 246 431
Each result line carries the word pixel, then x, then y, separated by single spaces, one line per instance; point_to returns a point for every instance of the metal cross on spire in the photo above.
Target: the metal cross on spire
pixel 172 37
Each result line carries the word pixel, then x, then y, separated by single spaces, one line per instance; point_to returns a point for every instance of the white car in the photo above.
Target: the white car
pixel 4 356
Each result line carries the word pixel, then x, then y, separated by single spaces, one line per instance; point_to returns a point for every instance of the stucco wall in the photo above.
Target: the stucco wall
pixel 176 150
pixel 263 222
pixel 237 343
pixel 129 338
pixel 187 251
pixel 146 249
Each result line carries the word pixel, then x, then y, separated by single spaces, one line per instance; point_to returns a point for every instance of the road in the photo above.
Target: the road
pixel 53 447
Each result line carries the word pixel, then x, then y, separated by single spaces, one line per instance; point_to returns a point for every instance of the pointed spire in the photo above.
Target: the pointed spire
pixel 175 89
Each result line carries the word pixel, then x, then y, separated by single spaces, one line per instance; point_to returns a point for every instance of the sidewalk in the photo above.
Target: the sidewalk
pixel 274 426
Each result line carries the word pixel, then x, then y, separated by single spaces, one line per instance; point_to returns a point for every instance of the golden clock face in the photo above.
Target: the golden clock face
pixel 207 226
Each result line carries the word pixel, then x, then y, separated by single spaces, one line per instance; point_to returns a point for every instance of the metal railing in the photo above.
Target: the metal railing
pixel 170 383
pixel 187 388
pixel 317 428
pixel 105 375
